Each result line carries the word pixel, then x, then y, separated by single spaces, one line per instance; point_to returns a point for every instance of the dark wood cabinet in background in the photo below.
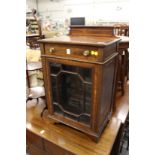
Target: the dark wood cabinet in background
pixel 80 78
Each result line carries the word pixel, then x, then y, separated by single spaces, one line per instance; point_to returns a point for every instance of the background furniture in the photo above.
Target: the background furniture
pixel 32 25
pixel 32 66
pixel 37 92
pixel 34 31
pixel 123 63
pixel 122 30
pixel 35 87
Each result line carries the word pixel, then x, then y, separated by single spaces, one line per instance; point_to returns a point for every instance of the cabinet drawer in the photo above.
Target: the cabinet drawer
pixel 34 139
pixel 72 51
pixel 53 149
pixel 33 150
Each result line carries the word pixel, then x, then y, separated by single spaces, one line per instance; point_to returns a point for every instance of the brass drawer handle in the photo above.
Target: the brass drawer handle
pixel 51 50
pixel 86 53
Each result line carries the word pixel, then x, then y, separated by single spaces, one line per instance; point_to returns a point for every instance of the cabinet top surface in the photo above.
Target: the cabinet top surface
pixel 82 40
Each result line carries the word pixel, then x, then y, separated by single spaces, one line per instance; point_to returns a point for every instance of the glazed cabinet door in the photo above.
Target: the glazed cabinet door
pixel 71 89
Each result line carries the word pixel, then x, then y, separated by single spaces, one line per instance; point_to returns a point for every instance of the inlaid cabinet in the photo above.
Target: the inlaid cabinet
pixel 80 77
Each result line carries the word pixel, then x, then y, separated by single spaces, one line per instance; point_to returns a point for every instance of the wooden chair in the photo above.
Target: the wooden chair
pixel 123 64
pixel 35 92
pixel 121 30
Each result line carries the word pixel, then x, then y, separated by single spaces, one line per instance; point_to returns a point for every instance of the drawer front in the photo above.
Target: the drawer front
pixel 33 150
pixel 72 51
pixel 34 139
pixel 53 149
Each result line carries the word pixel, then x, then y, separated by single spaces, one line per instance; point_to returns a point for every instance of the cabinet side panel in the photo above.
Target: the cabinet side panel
pixel 47 84
pixel 108 51
pixel 42 48
pixel 106 98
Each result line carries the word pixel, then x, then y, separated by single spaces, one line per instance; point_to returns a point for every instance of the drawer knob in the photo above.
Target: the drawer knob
pixel 51 50
pixel 86 53
pixel 94 53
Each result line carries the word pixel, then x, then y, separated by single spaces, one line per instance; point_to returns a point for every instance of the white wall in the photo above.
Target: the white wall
pixel 31 4
pixel 93 10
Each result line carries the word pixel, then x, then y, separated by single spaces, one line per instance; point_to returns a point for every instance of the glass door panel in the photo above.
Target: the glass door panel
pixel 71 91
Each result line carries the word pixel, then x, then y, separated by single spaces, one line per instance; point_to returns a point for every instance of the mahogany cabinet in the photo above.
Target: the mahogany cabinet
pixel 79 75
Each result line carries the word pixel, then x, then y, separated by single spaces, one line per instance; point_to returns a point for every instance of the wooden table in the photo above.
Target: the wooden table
pixel 69 140
pixel 46 138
